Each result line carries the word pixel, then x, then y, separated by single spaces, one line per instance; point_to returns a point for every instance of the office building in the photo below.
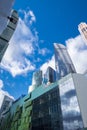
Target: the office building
pixel 73 93
pixel 82 27
pixel 63 63
pixel 5 103
pixel 8 32
pixel 36 80
pixel 39 110
pixel 5 11
pixel 60 106
pixel 49 76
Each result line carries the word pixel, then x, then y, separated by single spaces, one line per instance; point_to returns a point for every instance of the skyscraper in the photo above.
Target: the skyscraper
pixel 82 27
pixel 36 80
pixel 63 61
pixel 73 92
pixel 60 106
pixel 49 76
pixel 39 110
pixel 5 10
pixel 8 32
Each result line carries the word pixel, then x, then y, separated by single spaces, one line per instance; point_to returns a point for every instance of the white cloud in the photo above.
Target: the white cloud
pixel 78 52
pixel 21 46
pixel 33 19
pixel 26 47
pixel 43 51
pixel 50 63
pixel 29 16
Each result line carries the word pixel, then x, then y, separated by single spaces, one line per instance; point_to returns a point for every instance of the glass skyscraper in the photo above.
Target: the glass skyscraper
pixel 49 76
pixel 8 32
pixel 63 62
pixel 72 102
pixel 5 10
pixel 59 106
pixel 36 80
pixel 39 110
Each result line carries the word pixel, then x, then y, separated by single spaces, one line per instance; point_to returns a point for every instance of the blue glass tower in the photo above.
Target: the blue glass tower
pixel 63 62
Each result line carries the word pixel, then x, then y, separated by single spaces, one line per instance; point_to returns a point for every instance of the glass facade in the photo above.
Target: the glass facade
pixel 50 76
pixel 7 33
pixel 18 117
pixel 3 47
pixel 6 103
pixel 71 113
pixel 5 9
pixel 46 112
pixel 63 62
pixel 37 79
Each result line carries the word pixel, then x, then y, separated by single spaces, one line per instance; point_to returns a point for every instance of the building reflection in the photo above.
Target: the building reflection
pixel 71 113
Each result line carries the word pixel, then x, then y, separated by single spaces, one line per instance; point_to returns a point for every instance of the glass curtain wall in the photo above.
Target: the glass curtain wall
pixel 63 62
pixel 71 113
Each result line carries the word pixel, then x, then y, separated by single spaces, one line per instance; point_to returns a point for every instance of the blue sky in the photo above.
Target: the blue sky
pixel 56 20
pixel 42 23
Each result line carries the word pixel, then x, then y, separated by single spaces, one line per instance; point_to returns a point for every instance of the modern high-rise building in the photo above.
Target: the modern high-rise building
pixel 73 93
pixel 60 106
pixel 8 32
pixel 82 27
pixel 39 110
pixel 36 80
pixel 49 76
pixel 5 11
pixel 63 63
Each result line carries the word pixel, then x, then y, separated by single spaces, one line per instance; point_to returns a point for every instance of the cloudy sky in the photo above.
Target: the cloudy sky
pixel 42 23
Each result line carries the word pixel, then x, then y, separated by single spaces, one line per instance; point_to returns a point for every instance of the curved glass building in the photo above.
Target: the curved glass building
pixel 63 61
